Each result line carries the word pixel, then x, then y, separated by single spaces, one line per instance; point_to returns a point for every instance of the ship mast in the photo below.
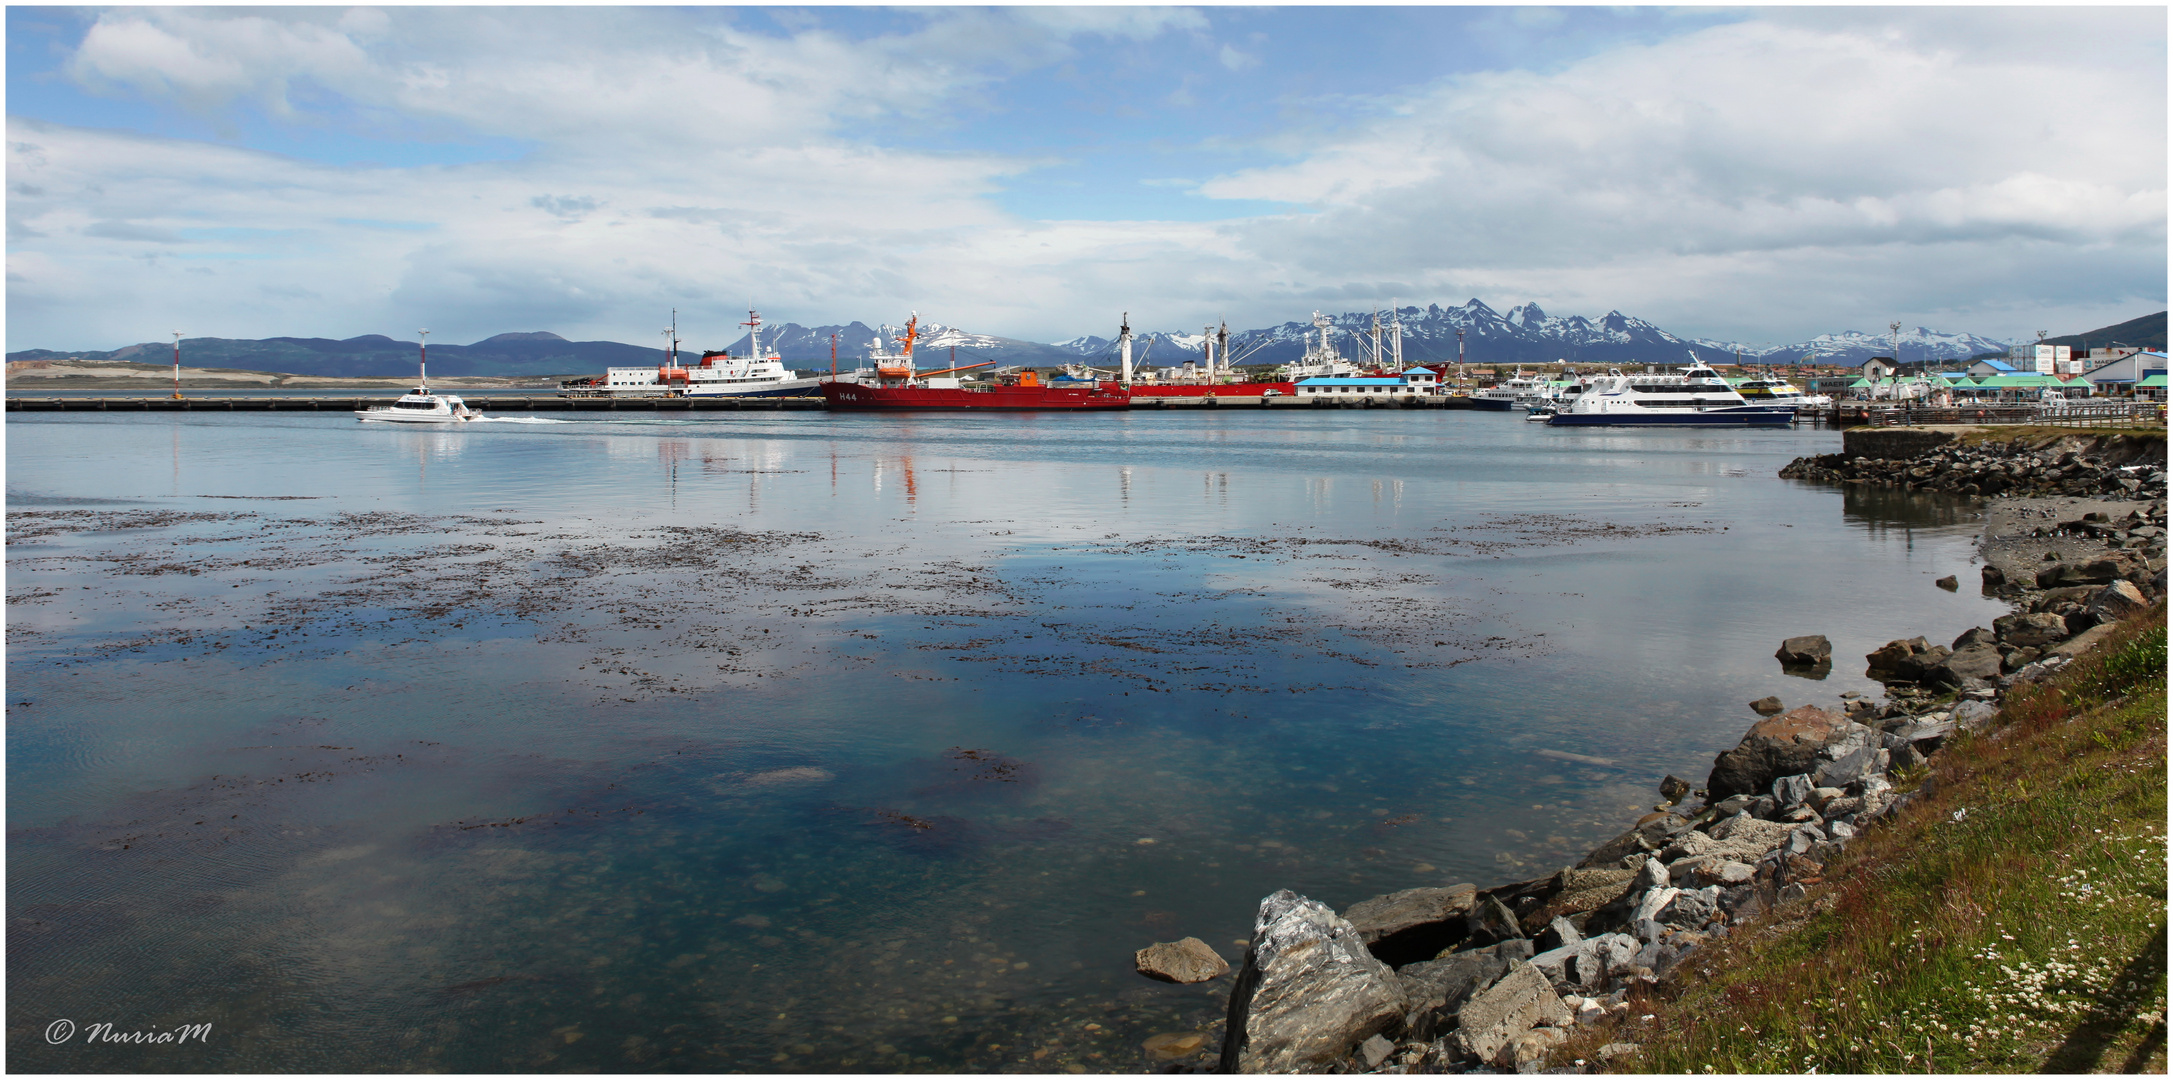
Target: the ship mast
pixel 1124 345
pixel 754 336
pixel 1207 351
pixel 1222 346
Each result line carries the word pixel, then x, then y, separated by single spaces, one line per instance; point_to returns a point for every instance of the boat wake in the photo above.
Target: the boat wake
pixel 519 420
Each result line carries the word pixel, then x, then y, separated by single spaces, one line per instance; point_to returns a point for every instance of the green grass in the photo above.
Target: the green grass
pixel 2013 921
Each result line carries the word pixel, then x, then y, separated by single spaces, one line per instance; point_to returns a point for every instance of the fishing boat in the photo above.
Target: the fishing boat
pixel 1696 397
pixel 719 374
pixel 420 406
pixel 899 385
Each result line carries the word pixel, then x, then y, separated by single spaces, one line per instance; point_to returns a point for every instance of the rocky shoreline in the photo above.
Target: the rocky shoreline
pixel 1464 979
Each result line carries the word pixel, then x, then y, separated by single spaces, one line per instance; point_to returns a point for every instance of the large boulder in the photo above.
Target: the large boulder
pixel 1308 993
pixel 2117 600
pixel 2030 630
pixel 1581 890
pixel 1775 747
pixel 1188 961
pixel 1806 651
pixel 1414 924
pixel 1650 834
pixel 1435 990
pixel 1975 665
pixel 2083 642
pixel 1904 660
pixel 1521 1001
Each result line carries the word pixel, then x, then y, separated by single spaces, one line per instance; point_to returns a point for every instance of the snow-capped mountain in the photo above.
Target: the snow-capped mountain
pixel 1525 334
pixel 1853 347
pixel 809 346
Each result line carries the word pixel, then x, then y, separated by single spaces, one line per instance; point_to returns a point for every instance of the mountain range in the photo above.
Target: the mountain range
pixel 1523 335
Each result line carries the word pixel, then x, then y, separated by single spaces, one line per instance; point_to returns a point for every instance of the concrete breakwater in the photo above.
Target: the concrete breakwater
pixel 1962 461
pixel 1458 978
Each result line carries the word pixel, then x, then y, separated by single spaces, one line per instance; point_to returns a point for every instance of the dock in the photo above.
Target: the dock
pixel 554 403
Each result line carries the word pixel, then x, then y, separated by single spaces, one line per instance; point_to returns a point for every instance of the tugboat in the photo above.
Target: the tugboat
pixel 899 385
pixel 420 406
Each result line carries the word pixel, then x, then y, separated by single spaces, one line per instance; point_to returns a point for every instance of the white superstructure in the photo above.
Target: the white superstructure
pixel 420 406
pixel 720 374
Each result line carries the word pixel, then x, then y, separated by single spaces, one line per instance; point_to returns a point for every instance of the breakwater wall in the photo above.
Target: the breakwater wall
pixel 1973 461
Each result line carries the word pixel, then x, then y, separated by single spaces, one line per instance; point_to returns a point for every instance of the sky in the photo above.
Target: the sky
pixel 1736 174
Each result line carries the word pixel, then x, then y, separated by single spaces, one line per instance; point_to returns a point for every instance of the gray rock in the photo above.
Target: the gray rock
pixel 1971 715
pixel 1673 789
pixel 1839 763
pixel 1841 831
pixel 1376 1050
pixel 1727 874
pixel 1692 908
pixel 1774 747
pixel 1414 924
pixel 1435 990
pixel 1731 806
pixel 1975 635
pixel 1187 961
pixel 1489 920
pixel 1969 667
pixel 1559 932
pixel 1522 1000
pixel 1949 583
pixel 2081 643
pixel 1768 706
pixel 2030 630
pixel 1650 905
pixel 1805 651
pixel 1308 993
pixel 2118 600
pixel 1791 791
pixel 1652 874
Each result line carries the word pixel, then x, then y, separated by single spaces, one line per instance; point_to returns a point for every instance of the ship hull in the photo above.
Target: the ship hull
pixel 1753 417
pixel 854 397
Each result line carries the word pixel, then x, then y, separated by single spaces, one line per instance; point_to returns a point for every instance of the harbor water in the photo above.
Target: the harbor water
pixel 848 743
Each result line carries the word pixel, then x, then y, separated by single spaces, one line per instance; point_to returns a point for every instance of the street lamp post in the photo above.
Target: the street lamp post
pixel 422 361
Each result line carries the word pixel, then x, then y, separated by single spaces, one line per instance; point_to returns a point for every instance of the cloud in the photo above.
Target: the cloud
pixel 1773 178
pixel 1751 146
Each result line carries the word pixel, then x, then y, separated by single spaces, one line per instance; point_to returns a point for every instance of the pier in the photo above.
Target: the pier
pixel 554 403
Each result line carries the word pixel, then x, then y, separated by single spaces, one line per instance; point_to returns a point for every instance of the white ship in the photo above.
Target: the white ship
pixel 1774 390
pixel 1698 397
pixel 1321 359
pixel 720 374
pixel 420 406
pixel 1519 391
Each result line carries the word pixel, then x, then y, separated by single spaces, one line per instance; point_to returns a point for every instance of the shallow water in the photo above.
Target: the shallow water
pixel 846 743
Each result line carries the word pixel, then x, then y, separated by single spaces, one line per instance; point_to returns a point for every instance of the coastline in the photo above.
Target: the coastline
pixel 1527 968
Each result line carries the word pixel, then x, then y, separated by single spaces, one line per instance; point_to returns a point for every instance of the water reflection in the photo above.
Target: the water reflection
pixel 1881 508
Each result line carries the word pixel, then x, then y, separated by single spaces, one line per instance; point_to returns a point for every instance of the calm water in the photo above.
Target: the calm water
pixel 837 743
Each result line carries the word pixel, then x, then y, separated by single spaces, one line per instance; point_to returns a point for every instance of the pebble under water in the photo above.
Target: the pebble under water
pixel 834 743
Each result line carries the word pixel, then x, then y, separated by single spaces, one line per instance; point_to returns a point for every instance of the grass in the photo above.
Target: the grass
pixel 2041 435
pixel 2012 920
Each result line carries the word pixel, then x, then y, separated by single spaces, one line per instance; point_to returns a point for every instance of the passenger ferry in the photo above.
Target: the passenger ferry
pixel 720 374
pixel 1697 397
pixel 1520 391
pixel 420 406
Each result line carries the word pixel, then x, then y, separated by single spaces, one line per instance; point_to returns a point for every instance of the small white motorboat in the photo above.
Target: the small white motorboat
pixel 420 406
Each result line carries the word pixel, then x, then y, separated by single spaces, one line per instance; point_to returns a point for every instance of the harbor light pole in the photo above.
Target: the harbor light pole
pixel 422 373
pixel 177 365
pixel 1896 328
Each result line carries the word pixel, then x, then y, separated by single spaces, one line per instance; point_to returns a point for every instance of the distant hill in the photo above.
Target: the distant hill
pixel 2147 332
pixel 533 354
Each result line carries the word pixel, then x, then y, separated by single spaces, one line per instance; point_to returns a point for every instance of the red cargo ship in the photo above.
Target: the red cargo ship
pixel 898 386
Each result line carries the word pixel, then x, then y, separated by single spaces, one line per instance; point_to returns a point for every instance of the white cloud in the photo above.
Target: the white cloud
pixel 1771 179
pixel 1753 146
